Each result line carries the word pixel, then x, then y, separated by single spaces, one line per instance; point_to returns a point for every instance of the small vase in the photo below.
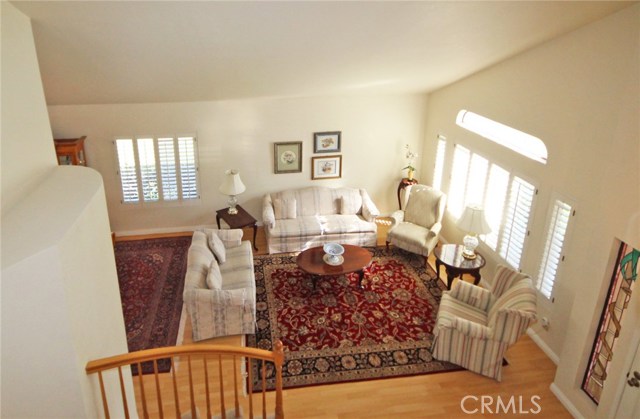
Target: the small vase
pixel 410 174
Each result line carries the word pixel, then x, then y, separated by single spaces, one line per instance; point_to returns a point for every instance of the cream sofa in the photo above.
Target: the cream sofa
pixel 298 219
pixel 220 296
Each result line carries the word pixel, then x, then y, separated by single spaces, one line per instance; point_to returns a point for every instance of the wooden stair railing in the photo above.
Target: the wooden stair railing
pixel 207 353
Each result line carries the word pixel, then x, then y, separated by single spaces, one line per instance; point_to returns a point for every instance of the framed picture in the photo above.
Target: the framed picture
pixel 329 167
pixel 287 157
pixel 326 142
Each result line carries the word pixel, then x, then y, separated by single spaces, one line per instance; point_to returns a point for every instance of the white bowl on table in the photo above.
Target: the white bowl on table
pixel 334 253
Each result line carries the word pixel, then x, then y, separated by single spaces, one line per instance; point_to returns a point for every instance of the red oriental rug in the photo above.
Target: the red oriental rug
pixel 151 277
pixel 338 332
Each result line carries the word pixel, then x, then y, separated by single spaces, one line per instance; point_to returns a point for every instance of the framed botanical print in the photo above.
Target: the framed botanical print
pixel 287 157
pixel 329 167
pixel 326 142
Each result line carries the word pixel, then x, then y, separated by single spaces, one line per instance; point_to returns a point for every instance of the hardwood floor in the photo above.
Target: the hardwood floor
pixel 525 386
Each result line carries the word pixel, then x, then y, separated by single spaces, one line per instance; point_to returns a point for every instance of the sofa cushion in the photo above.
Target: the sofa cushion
pixel 284 208
pixel 450 308
pixel 420 209
pixel 217 247
pixel 199 256
pixel 317 200
pixel 322 225
pixel 214 276
pixel 348 206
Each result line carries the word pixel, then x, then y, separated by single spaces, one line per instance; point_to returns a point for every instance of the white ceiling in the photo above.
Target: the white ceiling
pixel 137 52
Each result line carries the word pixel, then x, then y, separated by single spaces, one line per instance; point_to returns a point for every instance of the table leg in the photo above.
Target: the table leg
pixel 476 277
pixel 450 276
pixel 218 221
pixel 255 230
pixel 360 277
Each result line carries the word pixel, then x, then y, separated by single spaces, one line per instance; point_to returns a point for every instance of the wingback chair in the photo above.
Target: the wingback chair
pixel 416 228
pixel 475 326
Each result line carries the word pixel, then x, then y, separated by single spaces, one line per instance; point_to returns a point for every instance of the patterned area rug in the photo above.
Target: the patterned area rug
pixel 151 277
pixel 338 332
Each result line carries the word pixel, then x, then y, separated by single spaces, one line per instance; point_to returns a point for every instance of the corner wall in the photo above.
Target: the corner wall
pixel 580 94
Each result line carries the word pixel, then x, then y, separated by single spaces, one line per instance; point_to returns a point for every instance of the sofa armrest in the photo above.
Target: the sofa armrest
pixel 369 209
pixel 268 215
pixel 397 216
pixel 435 229
pixel 471 329
pixel 472 295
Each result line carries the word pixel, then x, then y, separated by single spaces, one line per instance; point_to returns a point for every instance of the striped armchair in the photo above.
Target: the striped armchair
pixel 475 326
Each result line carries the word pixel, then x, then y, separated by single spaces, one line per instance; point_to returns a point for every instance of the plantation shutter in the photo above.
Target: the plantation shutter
pixel 127 170
pixel 439 167
pixel 494 203
pixel 457 187
pixel 553 248
pixel 188 167
pixel 476 180
pixel 148 173
pixel 516 221
pixel 168 173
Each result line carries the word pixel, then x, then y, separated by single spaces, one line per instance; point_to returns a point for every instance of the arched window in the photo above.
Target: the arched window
pixel 518 141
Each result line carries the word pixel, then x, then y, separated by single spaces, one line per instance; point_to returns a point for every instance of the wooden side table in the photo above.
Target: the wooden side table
pixel 450 255
pixel 403 184
pixel 239 220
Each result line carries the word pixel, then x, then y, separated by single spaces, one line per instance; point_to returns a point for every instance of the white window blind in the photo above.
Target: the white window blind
pixel 439 166
pixel 127 169
pixel 507 200
pixel 157 169
pixel 552 256
pixel 168 173
pixel 516 221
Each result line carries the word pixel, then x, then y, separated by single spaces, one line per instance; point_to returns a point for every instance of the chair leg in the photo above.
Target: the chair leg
pixel 387 244
pixel 426 261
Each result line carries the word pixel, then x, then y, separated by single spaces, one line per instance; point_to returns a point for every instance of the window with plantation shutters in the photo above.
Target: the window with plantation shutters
pixel 552 256
pixel 439 166
pixel 507 200
pixel 162 169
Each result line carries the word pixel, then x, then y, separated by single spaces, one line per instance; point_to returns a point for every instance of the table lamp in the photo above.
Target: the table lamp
pixel 474 223
pixel 232 186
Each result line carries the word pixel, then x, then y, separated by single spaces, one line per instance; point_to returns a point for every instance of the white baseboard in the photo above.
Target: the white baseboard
pixel 166 230
pixel 565 401
pixel 543 345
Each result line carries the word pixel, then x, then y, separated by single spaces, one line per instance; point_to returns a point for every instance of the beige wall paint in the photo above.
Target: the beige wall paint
pixel 580 94
pixel 240 134
pixel 24 155
pixel 60 296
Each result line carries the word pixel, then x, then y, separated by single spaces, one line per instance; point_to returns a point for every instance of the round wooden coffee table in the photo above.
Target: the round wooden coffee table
pixel 355 260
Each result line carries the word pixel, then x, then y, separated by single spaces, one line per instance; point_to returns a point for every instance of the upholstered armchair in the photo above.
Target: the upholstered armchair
pixel 476 326
pixel 416 228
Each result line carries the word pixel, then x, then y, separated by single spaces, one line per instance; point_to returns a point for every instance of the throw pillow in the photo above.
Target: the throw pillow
pixel 284 208
pixel 230 238
pixel 217 247
pixel 348 206
pixel 214 276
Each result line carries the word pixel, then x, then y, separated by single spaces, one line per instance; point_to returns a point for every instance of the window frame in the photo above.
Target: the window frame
pixel 162 201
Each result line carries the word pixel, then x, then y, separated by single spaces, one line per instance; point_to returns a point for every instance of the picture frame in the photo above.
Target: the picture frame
pixel 327 142
pixel 326 167
pixel 287 157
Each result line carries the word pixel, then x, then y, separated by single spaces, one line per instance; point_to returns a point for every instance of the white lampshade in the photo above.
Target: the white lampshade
pixel 473 221
pixel 232 184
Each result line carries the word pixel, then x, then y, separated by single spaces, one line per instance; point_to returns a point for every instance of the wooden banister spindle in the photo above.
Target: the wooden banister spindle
pixel 279 360
pixel 250 368
pixel 175 389
pixel 264 390
pixel 105 405
pixel 123 393
pixel 235 387
pixel 223 412
pixel 206 385
pixel 158 392
pixel 193 402
pixel 145 412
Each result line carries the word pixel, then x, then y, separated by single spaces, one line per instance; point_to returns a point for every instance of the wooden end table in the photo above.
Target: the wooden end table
pixel 402 185
pixel 239 220
pixel 355 260
pixel 450 255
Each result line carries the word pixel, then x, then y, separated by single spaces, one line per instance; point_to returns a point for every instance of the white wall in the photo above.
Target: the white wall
pixel 240 134
pixel 60 296
pixel 24 126
pixel 580 94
